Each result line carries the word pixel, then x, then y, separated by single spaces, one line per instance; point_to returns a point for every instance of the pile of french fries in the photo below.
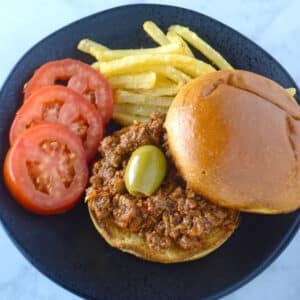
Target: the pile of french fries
pixel 147 80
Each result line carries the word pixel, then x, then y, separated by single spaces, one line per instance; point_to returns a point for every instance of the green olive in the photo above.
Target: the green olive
pixel 145 170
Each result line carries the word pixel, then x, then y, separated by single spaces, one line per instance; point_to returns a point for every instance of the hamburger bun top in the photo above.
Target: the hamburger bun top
pixel 235 138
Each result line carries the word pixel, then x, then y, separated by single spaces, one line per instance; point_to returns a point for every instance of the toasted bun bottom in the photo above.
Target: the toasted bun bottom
pixel 134 244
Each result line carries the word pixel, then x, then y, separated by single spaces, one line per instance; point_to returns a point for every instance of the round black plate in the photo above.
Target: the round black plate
pixel 68 249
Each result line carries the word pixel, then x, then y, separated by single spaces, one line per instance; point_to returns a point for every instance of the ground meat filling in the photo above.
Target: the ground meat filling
pixel 174 214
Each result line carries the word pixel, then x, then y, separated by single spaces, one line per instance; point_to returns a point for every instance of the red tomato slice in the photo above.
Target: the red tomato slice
pixel 46 170
pixel 80 77
pixel 58 104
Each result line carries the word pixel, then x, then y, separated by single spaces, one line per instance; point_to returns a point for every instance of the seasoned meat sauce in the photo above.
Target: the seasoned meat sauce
pixel 174 214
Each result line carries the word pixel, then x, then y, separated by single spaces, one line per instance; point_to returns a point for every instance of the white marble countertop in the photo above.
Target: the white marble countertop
pixel 274 25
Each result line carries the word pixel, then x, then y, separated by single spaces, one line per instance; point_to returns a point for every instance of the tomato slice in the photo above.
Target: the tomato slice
pixel 46 170
pixel 78 76
pixel 58 104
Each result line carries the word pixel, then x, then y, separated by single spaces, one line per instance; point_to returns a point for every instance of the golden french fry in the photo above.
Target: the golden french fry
pixel 291 91
pixel 95 65
pixel 122 96
pixel 128 64
pixel 173 37
pixel 107 55
pixel 164 70
pixel 171 73
pixel 192 38
pixel 162 81
pixel 127 119
pixel 165 90
pixel 140 110
pixel 134 81
pixel 160 38
pixel 155 33
pixel 85 45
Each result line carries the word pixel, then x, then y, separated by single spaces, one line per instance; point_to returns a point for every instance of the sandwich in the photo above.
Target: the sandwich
pixel 228 143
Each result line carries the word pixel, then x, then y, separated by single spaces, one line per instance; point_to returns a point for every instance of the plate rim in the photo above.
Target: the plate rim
pixel 277 251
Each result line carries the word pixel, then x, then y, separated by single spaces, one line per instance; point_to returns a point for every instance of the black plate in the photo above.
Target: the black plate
pixel 67 248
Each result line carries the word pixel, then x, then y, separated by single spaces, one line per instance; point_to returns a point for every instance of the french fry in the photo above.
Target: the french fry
pixel 134 81
pixel 173 37
pixel 162 81
pixel 164 90
pixel 291 91
pixel 128 64
pixel 192 38
pixel 140 110
pixel 95 65
pixel 164 70
pixel 160 38
pixel 107 55
pixel 122 96
pixel 155 33
pixel 126 119
pixel 85 45
pixel 171 73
